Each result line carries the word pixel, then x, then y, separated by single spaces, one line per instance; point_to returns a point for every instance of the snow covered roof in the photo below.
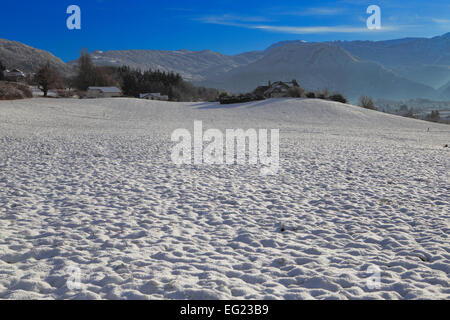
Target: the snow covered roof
pixel 143 95
pixel 13 71
pixel 106 89
pixel 289 84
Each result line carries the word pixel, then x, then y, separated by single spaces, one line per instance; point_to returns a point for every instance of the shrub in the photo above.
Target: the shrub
pixel 367 103
pixel 311 95
pixel 338 98
pixel 296 92
pixel 13 91
pixel 323 94
pixel 224 94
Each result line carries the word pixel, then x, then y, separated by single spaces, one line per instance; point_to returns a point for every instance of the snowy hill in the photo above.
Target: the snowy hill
pixel 14 54
pixel 89 184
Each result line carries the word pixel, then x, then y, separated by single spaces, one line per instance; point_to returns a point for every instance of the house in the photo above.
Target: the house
pixel 154 96
pixel 103 92
pixel 14 75
pixel 279 88
pixel 275 89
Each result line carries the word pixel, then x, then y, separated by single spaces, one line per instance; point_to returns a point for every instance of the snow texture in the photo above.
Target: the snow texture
pixel 90 184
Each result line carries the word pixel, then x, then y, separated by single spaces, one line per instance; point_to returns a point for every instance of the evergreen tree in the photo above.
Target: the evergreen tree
pixel 135 82
pixel 2 68
pixel 434 116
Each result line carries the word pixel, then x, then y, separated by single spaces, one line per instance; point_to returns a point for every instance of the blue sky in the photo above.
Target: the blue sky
pixel 228 27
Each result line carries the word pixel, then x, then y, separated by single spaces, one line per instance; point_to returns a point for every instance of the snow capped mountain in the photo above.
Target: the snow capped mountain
pixel 283 43
pixel 14 54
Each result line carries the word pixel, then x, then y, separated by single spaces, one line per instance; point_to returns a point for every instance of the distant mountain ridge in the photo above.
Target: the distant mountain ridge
pixel 323 65
pixel 191 65
pixel 404 68
pixel 444 91
pixel 424 60
pixel 393 69
pixel 15 54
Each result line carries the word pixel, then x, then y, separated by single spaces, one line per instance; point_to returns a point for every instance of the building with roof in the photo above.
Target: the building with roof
pixel 154 96
pixel 103 92
pixel 275 89
pixel 14 75
pixel 279 88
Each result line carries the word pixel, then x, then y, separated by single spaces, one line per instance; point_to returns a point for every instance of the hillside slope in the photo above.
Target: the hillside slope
pixel 15 54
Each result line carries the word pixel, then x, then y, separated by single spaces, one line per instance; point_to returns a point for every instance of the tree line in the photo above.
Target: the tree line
pixel 133 82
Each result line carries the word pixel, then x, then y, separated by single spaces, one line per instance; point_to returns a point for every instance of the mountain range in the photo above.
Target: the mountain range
pixel 193 66
pixel 394 69
pixel 323 65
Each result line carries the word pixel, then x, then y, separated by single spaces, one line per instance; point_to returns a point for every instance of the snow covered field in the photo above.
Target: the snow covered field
pixel 90 184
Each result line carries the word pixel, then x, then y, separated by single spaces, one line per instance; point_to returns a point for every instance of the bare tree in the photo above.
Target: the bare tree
pixel 86 71
pixel 48 78
pixel 367 103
